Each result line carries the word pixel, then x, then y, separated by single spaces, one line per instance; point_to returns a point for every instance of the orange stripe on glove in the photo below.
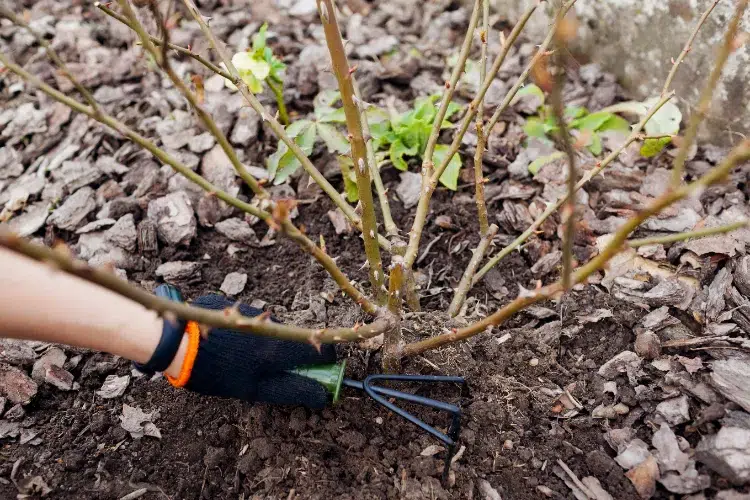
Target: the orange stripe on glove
pixel 193 332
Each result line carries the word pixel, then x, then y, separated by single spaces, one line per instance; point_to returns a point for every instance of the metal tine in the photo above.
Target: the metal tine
pixel 407 396
pixel 453 409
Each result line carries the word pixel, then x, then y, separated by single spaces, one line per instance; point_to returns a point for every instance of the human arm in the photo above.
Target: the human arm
pixel 38 302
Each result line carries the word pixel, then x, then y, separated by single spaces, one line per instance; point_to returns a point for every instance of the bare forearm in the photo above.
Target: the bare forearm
pixel 39 303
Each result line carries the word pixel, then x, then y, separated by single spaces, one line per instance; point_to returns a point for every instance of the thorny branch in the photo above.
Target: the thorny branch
pixel 52 54
pixel 552 208
pixel 688 235
pixel 156 41
pixel 385 207
pixel 60 258
pixel 476 258
pixel 429 187
pixel 341 69
pixel 739 154
pixel 326 261
pixel 481 133
pixel 450 88
pixel 274 124
pixel 162 59
pixel 569 209
pixel 392 337
pixel 688 46
pixel 707 94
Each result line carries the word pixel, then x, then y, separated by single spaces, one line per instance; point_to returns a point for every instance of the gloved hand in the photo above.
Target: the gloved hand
pixel 251 367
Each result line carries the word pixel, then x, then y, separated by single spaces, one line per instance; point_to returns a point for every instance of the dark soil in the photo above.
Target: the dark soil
pixel 514 428
pixel 216 448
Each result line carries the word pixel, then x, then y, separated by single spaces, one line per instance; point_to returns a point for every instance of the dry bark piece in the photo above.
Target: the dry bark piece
pixel 547 264
pixel 625 362
pixel 658 319
pixel 340 223
pixel 16 385
pixel 670 292
pixel 59 377
pixel 486 491
pixel 631 453
pixel 648 345
pixel 731 377
pixel 742 275
pixel 728 453
pixel 688 482
pixel 139 423
pixel 409 189
pixel 123 234
pixel 31 220
pixel 740 308
pixel 716 292
pixel 234 283
pixel 53 357
pixel 514 218
pixel 114 386
pixel 674 411
pixel 179 271
pixel 174 218
pixel 146 239
pixel 74 210
pixel 16 352
pixel 668 452
pixel 76 174
pixel 96 225
pixel 595 316
pixel 237 230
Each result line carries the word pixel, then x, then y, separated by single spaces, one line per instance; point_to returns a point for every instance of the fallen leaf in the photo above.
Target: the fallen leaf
pixel 644 476
pixel 139 423
pixel 431 450
pixel 114 386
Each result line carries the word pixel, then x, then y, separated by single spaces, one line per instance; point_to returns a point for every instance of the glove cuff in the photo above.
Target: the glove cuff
pixel 193 332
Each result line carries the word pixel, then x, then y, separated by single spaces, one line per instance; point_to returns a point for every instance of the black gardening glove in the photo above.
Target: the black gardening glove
pixel 251 367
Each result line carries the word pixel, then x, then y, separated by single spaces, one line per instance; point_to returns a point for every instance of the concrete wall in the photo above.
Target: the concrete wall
pixel 636 39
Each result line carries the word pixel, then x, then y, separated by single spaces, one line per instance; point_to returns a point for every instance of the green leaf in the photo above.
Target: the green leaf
pixel 616 123
pixel 652 147
pixel 375 115
pixel 325 111
pixel 453 108
pixel 335 141
pixel 595 144
pixel 350 178
pixel 273 161
pixel 550 125
pixel 397 152
pixel 288 164
pixel 665 121
pixel 283 163
pixel 306 139
pixel 529 90
pixel 538 163
pixel 333 116
pixel 449 178
pixel 573 112
pixel 534 127
pixel 592 122
pixel 296 128
pixel 259 39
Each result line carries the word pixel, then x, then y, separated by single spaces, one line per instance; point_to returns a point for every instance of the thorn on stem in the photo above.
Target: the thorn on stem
pixel 323 12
